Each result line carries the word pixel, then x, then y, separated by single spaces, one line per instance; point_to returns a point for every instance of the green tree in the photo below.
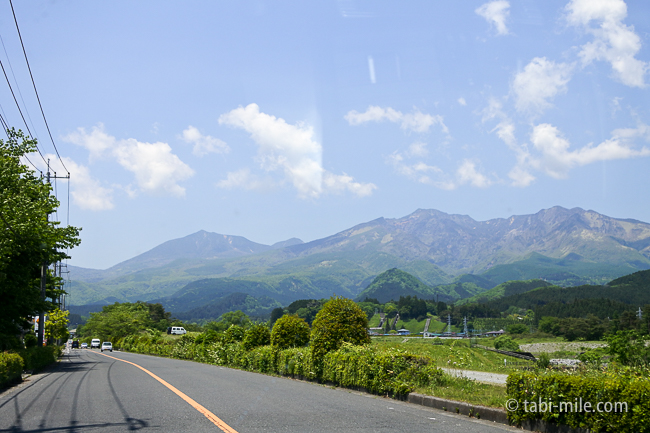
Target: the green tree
pixel 340 320
pixel 27 238
pixel 56 325
pixel 238 318
pixel 506 343
pixel 256 336
pixel 517 328
pixel 290 331
pixel 119 320
pixel 628 348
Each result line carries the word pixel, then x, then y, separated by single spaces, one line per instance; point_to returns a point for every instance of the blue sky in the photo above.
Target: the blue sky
pixel 280 119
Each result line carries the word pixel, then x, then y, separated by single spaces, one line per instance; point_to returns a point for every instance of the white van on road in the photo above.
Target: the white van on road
pixel 176 330
pixel 95 343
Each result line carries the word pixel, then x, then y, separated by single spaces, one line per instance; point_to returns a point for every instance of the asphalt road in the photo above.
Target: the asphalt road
pixel 88 391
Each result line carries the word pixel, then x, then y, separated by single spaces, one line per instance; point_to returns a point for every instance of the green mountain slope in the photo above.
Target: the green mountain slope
pixel 392 284
pixel 633 290
pixel 505 289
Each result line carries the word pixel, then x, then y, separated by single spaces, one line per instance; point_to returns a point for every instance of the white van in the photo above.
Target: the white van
pixel 95 343
pixel 176 330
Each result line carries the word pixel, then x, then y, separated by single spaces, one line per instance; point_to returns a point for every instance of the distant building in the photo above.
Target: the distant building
pixel 403 331
pixel 495 333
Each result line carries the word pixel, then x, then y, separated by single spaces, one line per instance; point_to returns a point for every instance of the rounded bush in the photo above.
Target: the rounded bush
pixel 233 333
pixel 506 343
pixel 340 320
pixel 290 331
pixel 256 336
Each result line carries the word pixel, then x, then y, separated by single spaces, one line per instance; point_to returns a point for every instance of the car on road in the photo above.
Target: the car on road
pixel 95 343
pixel 84 345
pixel 107 345
pixel 75 344
pixel 176 330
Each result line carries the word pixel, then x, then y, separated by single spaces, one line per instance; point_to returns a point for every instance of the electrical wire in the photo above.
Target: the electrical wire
pixel 17 86
pixel 5 126
pixel 35 91
pixel 18 105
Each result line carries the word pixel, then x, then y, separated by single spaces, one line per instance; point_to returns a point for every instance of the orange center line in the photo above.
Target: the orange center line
pixel 209 415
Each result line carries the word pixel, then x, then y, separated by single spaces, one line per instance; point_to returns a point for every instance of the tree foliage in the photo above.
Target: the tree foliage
pixel 290 331
pixel 56 325
pixel 119 320
pixel 340 320
pixel 256 336
pixel 506 343
pixel 27 238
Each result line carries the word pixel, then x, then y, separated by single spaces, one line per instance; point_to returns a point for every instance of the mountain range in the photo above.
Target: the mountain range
pixel 454 253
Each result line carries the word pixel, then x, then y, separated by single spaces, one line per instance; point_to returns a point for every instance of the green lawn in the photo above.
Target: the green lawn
pixel 453 354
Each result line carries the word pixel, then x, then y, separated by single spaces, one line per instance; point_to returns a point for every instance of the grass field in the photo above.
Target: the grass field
pixel 454 354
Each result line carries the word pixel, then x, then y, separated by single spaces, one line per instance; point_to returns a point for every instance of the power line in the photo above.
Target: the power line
pixel 5 126
pixel 18 105
pixel 34 84
pixel 17 86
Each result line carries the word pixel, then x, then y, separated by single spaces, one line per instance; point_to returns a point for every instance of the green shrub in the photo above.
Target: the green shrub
pixel 340 320
pixel 543 360
pixel 256 336
pixel 30 340
pixel 517 328
pixel 386 372
pixel 37 358
pixel 506 343
pixel 290 331
pixel 589 388
pixel 11 368
pixel 233 333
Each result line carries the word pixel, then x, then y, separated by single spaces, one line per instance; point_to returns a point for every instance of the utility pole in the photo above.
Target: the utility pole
pixel 41 315
pixel 44 266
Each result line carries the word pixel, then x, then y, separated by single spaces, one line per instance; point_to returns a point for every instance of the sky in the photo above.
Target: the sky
pixel 280 119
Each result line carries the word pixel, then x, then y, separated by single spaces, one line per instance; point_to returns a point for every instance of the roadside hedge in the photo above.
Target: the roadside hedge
pixel 37 358
pixel 583 389
pixel 385 372
pixel 11 368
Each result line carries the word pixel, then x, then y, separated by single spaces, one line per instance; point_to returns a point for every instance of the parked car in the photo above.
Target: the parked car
pixel 75 344
pixel 176 330
pixel 95 343
pixel 107 345
pixel 84 345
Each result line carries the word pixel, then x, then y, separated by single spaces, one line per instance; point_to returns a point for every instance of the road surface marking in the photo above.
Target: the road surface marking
pixel 209 415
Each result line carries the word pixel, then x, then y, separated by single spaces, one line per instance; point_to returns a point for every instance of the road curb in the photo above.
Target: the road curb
pixel 487 414
pixel 474 411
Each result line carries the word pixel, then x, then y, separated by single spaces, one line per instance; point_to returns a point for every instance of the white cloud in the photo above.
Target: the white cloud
pixel 520 176
pixel 203 144
pixel 540 81
pixel 557 159
pixel 505 130
pixel 462 101
pixel 97 141
pixel 418 149
pixel 415 121
pixel 343 182
pixel 245 180
pixel 467 173
pixel 495 13
pixel 290 149
pixel 86 191
pixel 157 170
pixel 613 41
